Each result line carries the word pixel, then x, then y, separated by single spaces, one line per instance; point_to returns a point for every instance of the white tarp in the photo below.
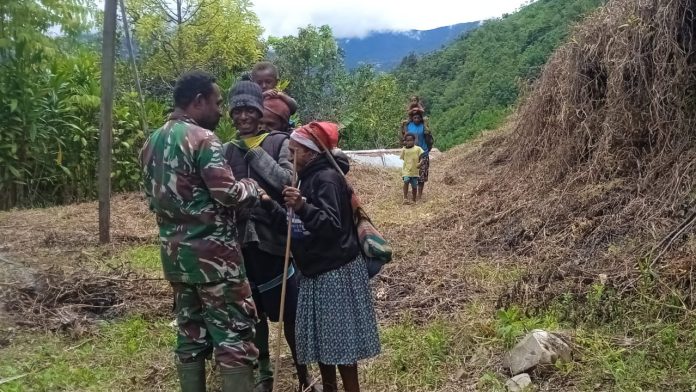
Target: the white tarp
pixel 382 158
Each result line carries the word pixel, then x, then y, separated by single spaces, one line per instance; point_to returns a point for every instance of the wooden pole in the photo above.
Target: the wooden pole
pixel 107 102
pixel 279 336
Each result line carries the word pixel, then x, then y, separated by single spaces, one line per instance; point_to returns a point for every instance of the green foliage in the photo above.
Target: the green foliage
pixel 50 117
pixel 472 84
pixel 512 324
pixel 219 36
pixel 128 138
pixel 40 108
pixel 49 86
pixel 375 110
pixel 491 382
pixel 369 104
pixel 313 64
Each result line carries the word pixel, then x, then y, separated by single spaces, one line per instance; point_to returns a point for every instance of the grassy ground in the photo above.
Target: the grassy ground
pixel 439 324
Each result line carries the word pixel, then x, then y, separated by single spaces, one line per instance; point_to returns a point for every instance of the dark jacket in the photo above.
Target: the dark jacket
pixel 330 240
pixel 271 168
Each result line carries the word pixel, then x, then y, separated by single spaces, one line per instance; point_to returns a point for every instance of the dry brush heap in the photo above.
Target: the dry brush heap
pixel 599 163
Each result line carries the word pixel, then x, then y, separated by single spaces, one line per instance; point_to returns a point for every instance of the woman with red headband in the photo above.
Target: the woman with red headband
pixel 336 324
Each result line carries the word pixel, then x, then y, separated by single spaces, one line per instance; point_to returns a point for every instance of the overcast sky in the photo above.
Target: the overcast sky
pixel 355 18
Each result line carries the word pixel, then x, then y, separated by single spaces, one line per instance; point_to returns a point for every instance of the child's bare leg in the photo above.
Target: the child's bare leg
pixel 414 191
pixel 349 375
pixel 328 377
pixel 405 190
pixel 421 185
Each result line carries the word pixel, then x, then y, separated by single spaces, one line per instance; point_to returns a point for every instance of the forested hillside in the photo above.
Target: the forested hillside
pixel 472 84
pixel 50 83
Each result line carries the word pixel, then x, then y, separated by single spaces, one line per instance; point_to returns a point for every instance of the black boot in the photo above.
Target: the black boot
pixel 264 386
pixel 237 379
pixel 191 376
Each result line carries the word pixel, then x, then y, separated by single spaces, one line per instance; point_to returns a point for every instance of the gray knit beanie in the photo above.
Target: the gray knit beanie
pixel 246 94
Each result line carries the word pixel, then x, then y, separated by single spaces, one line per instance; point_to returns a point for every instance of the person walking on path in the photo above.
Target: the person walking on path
pixel 192 192
pixel 264 157
pixel 336 323
pixel 412 156
pixel 424 139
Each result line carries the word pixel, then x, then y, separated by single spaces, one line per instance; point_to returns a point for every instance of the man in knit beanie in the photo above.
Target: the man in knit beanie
pixel 263 156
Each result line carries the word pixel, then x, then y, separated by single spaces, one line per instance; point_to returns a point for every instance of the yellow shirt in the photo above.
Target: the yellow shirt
pixel 411 157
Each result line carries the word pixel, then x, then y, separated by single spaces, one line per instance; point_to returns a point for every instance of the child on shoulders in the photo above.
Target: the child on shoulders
pixel 265 74
pixel 414 108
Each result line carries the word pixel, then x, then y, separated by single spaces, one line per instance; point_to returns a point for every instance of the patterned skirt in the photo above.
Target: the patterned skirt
pixel 336 322
pixel 424 169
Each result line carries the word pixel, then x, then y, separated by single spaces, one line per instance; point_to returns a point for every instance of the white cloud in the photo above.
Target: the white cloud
pixel 356 18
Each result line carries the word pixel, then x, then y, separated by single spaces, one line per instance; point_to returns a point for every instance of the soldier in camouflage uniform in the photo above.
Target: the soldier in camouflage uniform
pixel 193 193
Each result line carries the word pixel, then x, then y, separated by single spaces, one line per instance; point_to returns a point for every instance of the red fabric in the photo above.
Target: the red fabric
pixel 326 132
pixel 278 107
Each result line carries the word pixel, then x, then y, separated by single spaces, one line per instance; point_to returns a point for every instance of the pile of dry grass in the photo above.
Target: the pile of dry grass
pixel 593 180
pixel 599 163
pixel 55 301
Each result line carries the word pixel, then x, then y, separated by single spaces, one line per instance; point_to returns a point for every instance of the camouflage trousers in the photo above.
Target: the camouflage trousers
pixel 215 318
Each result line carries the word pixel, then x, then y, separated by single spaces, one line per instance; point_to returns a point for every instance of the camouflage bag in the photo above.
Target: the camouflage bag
pixel 373 246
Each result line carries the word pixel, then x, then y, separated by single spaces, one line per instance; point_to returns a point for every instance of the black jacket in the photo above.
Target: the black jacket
pixel 330 239
pixel 271 168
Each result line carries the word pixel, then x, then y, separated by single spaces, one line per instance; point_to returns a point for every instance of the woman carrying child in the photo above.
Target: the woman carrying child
pixel 336 324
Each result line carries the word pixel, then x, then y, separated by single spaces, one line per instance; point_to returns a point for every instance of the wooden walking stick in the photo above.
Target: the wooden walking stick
pixel 279 336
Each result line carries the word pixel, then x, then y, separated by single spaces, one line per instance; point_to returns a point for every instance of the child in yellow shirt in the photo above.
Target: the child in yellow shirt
pixel 412 156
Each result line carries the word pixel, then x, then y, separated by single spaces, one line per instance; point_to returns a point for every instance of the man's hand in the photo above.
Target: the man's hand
pixel 261 192
pixel 293 198
pixel 266 201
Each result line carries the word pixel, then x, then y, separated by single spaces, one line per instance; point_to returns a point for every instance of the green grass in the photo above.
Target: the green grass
pixel 414 357
pixel 145 258
pixel 645 347
pixel 130 354
pixel 494 273
pixel 659 356
pixel 636 343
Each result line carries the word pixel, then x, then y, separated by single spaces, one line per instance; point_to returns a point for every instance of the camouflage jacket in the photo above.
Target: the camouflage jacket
pixel 189 187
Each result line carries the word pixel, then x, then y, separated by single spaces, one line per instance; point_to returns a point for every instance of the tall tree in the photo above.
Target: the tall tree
pixel 375 110
pixel 312 62
pixel 174 36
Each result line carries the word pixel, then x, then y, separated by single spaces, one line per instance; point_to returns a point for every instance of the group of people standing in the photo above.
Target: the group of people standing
pixel 223 213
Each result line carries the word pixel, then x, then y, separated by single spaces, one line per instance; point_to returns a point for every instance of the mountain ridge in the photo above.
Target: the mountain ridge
pixel 386 49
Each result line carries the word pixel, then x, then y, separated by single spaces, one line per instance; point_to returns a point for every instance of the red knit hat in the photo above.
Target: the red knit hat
pixel 325 134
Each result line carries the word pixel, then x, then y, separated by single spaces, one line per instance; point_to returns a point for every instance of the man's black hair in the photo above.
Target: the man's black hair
pixel 190 85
